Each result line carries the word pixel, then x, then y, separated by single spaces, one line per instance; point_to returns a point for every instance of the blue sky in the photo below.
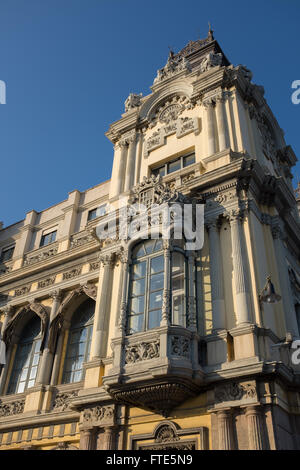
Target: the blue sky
pixel 69 65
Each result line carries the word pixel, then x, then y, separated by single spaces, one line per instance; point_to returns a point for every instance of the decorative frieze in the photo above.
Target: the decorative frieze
pixel 49 281
pixel 99 415
pixel 77 241
pixel 62 400
pixel 43 255
pixel 235 391
pixel 72 273
pixel 22 290
pixel 180 346
pixel 12 408
pixel 94 265
pixel 141 352
pixel 180 126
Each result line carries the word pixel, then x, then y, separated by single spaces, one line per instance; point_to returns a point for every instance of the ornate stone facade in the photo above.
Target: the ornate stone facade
pixel 202 347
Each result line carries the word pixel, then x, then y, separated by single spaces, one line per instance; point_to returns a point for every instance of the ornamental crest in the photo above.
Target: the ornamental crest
pixel 153 191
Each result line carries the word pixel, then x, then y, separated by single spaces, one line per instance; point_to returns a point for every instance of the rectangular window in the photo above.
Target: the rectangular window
pixel 175 165
pixel 7 254
pixel 98 212
pixel 48 238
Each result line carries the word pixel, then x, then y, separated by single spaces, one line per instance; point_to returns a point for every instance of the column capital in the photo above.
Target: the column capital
pixel 107 259
pixel 234 215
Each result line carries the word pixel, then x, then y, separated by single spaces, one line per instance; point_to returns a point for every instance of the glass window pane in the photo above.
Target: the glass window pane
pixel 157 264
pixel 138 287
pixel 137 304
pixel 77 376
pixel 157 281
pixel 139 251
pixel 23 375
pixel 174 166
pixel 178 309
pixel 154 319
pixel 135 323
pixel 139 270
pixel 158 245
pixel 149 245
pixel 155 299
pixel 33 372
pixel 21 387
pixel 188 160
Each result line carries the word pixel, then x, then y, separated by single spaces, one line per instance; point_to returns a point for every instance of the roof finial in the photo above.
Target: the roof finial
pixel 210 35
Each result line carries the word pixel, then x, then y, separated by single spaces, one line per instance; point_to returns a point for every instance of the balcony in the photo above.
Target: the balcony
pixel 156 370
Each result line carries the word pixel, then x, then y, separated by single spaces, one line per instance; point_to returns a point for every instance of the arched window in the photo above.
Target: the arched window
pixel 178 287
pixel 27 358
pixel 146 286
pixel 79 341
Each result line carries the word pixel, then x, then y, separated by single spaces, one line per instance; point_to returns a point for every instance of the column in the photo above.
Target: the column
pixel 239 269
pixel 216 276
pixel 209 105
pixel 121 326
pixel 45 368
pixel 222 122
pixel 58 353
pixel 225 431
pixel 165 318
pixel 130 167
pixel 87 439
pixel 109 439
pixel 255 428
pixel 285 285
pixel 122 167
pixel 8 310
pixel 23 243
pixel 192 322
pixel 102 309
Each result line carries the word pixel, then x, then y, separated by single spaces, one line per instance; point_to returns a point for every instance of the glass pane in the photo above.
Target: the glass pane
pixel 155 299
pixel 139 270
pixel 188 160
pixel 160 171
pixel 67 377
pixel 77 376
pixel 178 309
pixel 138 287
pixel 173 166
pixel 154 318
pixel 157 264
pixel 135 323
pixel 24 375
pixel 33 372
pixel 21 387
pixel 139 251
pixel 37 346
pixel 137 304
pixel 158 245
pixel 149 245
pixel 83 334
pixel 157 281
pixel 35 359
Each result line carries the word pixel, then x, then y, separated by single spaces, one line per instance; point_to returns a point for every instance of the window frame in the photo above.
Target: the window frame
pixel 43 238
pixel 156 170
pixel 34 351
pixel 10 248
pixel 147 258
pixel 89 218
pixel 186 286
pixel 89 327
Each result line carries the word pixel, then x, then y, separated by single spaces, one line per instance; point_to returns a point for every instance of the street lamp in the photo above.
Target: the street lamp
pixel 268 294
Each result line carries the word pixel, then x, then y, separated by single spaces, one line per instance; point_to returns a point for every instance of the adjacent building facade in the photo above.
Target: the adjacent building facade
pixel 127 342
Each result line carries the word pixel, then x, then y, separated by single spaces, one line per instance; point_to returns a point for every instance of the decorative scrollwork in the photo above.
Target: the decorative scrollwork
pixel 141 352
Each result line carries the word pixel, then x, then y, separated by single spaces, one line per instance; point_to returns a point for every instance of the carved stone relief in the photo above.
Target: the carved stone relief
pixel 141 351
pixel 13 408
pixel 62 400
pixel 234 391
pixel 180 346
pixel 98 416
